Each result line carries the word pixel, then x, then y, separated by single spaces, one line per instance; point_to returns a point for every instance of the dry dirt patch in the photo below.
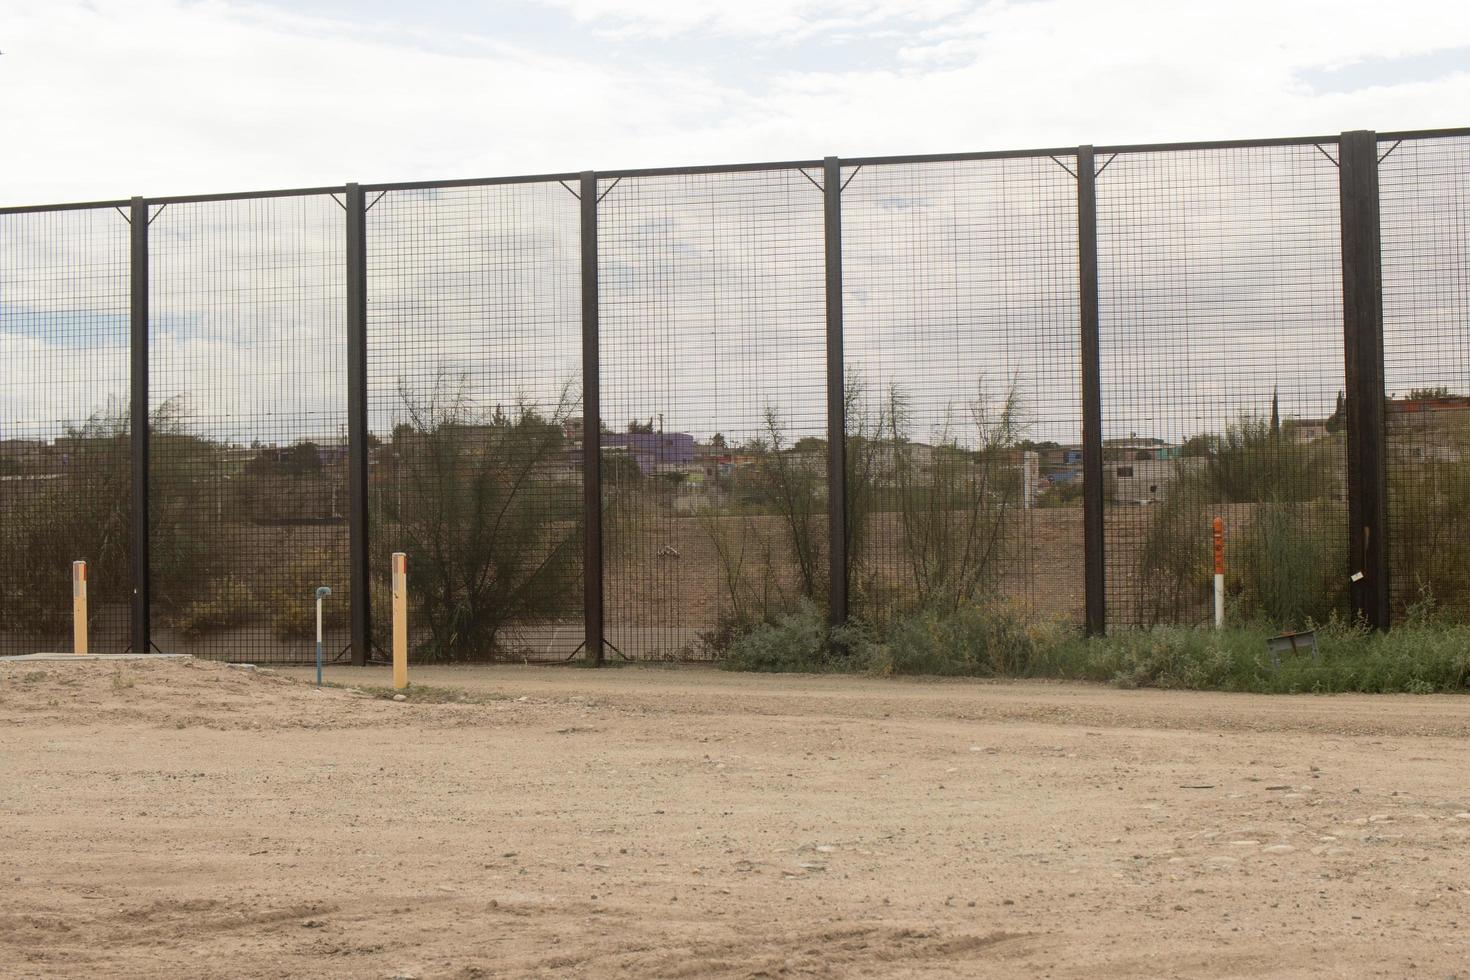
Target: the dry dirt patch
pixel 188 819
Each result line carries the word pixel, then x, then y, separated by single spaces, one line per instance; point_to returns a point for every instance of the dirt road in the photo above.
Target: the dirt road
pixel 187 819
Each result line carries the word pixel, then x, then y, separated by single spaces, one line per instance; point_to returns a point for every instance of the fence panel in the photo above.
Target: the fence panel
pixel 962 353
pixel 474 403
pixel 1222 374
pixel 714 405
pixel 1424 196
pixel 65 472
pixel 248 396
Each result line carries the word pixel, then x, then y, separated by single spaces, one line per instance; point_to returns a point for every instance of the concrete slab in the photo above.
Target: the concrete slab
pixel 84 657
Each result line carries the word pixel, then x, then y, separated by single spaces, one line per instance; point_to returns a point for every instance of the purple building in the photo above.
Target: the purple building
pixel 653 450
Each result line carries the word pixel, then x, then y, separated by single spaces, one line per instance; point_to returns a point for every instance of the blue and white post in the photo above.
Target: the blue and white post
pixel 321 593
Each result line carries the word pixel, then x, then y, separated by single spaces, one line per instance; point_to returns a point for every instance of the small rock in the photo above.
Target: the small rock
pixel 312 924
pixel 1244 843
pixel 400 697
pixel 248 668
pixel 523 698
pixel 1278 849
pixel 1462 816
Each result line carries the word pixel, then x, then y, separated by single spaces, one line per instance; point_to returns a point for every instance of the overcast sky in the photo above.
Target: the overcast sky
pixel 110 98
pixel 1220 271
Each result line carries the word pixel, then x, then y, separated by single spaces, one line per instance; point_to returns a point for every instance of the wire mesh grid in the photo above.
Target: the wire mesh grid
pixel 962 364
pixel 474 403
pixel 1222 381
pixel 713 350
pixel 1424 196
pixel 248 427
pixel 65 471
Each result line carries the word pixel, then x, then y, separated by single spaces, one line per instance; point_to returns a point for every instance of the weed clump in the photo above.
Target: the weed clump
pixel 1425 655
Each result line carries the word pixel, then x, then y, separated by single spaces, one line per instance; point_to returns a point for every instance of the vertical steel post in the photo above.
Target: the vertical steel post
pixel 142 639
pixel 1362 323
pixel 591 430
pixel 359 604
pixel 837 574
pixel 1092 443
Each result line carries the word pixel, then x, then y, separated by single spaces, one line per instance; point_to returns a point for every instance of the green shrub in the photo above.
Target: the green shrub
pixel 292 604
pixel 1254 461
pixel 975 640
pixel 1429 526
pixel 74 505
pixel 227 603
pixel 480 503
pixel 1411 659
pixel 984 640
pixel 956 501
pixel 796 642
pixel 1174 569
pixel 1291 564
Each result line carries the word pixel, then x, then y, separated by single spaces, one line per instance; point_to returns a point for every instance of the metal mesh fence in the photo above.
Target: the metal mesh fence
pixel 963 374
pixel 65 471
pixel 248 491
pixel 1222 369
pixel 1223 329
pixel 1424 193
pixel 474 404
pixel 713 405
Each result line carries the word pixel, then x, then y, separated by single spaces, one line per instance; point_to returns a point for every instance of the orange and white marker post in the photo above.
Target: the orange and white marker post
pixel 1219 574
pixel 400 620
pixel 79 607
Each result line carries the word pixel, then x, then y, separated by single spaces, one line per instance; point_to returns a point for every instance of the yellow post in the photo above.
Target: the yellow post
pixel 78 607
pixel 400 620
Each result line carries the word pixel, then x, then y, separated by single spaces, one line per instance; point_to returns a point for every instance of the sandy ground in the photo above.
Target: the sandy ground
pixel 194 820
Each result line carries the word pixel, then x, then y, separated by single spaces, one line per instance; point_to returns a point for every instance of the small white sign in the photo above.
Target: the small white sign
pixel 1357 576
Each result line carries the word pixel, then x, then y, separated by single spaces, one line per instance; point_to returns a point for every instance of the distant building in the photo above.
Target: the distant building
pixel 1305 430
pixel 1429 428
pixel 654 452
pixel 1145 481
pixel 1131 449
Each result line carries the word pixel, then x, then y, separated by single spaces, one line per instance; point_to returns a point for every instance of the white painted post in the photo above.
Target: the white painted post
pixel 1219 574
pixel 1030 475
pixel 79 607
pixel 321 593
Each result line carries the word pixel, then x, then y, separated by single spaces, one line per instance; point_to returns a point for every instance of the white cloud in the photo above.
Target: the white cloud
pixel 112 98
pixel 157 97
pixel 782 20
